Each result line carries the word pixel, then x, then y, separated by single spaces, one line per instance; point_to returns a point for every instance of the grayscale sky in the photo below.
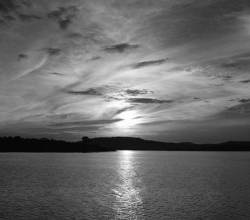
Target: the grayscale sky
pixel 157 69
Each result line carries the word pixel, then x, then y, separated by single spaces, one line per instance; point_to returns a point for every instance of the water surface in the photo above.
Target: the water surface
pixel 125 185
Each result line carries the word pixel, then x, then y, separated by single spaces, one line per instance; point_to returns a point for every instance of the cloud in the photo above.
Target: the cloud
pixel 65 23
pixel 64 16
pixel 91 91
pixel 8 10
pixel 195 22
pixel 56 74
pixel 123 110
pixel 197 98
pixel 158 60
pixel 237 62
pixel 11 9
pixel 148 63
pixel 232 67
pixel 110 92
pixel 121 48
pixel 53 51
pixel 28 17
pixel 135 92
pixel 7 18
pixel 244 100
pixel 95 58
pixel 7 6
pixel 75 36
pixel 240 109
pixel 245 81
pixel 22 56
pixel 148 101
pixel 85 123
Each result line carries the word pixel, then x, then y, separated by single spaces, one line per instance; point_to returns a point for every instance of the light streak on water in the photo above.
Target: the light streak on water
pixel 128 202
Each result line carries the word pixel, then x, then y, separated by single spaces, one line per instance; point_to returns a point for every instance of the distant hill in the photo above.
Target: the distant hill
pixel 18 144
pixel 130 143
pixel 103 144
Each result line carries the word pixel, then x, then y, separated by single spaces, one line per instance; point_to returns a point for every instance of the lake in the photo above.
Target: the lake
pixel 125 185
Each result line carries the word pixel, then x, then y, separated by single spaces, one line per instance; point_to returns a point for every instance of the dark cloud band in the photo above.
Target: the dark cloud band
pixel 148 63
pixel 121 48
pixel 91 91
pixel 148 101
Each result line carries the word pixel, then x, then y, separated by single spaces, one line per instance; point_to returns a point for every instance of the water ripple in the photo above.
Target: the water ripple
pixel 128 202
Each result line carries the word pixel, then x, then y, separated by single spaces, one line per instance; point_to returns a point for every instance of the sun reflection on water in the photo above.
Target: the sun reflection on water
pixel 128 202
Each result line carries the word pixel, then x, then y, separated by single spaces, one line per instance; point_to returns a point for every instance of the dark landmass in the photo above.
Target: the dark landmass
pixel 18 144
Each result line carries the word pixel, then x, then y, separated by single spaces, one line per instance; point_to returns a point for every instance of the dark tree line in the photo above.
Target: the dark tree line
pixel 19 144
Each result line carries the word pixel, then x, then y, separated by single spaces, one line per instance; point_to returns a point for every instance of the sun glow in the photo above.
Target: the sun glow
pixel 129 119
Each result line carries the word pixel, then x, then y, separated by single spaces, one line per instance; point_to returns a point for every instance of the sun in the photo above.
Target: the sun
pixel 129 120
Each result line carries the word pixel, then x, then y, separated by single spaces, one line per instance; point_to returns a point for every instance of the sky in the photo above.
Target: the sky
pixel 158 69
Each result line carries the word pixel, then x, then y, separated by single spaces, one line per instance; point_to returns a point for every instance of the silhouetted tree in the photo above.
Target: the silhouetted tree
pixel 85 140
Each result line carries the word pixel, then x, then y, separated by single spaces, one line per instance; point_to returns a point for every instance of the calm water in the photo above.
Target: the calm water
pixel 125 185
